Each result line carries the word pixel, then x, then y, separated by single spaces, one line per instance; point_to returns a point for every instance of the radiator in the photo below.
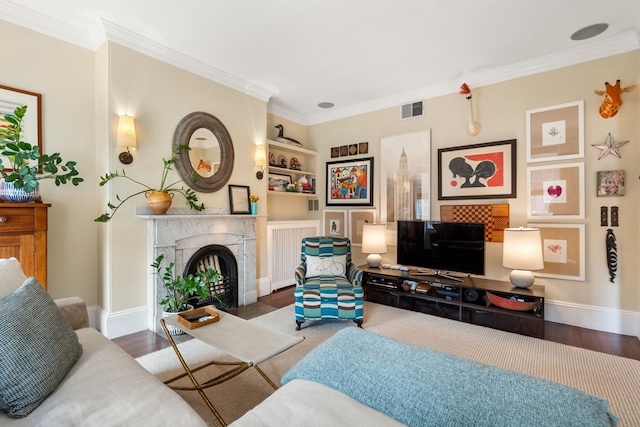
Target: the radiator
pixel 284 242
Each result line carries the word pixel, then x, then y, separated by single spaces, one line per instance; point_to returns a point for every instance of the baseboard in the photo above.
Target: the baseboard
pixel 114 325
pixel 623 322
pixel 263 285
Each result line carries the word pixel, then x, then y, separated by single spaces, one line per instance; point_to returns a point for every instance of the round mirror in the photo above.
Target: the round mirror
pixel 208 164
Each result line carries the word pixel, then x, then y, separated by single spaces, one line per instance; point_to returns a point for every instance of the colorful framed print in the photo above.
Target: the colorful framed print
pixel 335 223
pixel 357 219
pixel 239 199
pixel 350 183
pixel 10 99
pixel 610 183
pixel 555 133
pixel 479 171
pixel 563 247
pixel 556 191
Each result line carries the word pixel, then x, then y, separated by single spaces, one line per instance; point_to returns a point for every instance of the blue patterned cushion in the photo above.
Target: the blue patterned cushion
pixel 37 348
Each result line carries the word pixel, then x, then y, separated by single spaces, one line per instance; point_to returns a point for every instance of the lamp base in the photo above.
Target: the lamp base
pixel 521 278
pixel 374 260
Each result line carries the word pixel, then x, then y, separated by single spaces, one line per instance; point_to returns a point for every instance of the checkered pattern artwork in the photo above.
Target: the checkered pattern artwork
pixel 495 217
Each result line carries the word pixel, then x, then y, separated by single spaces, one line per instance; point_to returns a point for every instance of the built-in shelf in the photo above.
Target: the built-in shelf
pixel 306 158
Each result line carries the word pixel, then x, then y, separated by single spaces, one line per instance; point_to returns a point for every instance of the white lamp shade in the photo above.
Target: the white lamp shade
pixel 126 136
pixel 522 249
pixel 260 156
pixel 374 239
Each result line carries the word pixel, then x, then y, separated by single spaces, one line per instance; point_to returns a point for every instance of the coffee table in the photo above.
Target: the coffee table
pixel 246 341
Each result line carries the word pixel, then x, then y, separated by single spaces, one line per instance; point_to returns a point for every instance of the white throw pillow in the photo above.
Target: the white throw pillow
pixel 11 276
pixel 330 266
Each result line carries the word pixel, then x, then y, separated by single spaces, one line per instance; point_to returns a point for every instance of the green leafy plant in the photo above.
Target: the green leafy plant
pixel 180 289
pixel 26 164
pixel 189 195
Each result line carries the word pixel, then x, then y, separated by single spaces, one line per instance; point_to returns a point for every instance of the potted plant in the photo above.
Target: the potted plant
pixel 254 204
pixel 26 165
pixel 179 290
pixel 158 198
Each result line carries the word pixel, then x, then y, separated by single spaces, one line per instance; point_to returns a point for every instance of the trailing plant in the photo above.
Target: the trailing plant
pixel 26 164
pixel 180 289
pixel 189 195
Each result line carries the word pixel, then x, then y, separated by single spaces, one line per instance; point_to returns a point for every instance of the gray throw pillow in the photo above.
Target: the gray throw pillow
pixel 37 348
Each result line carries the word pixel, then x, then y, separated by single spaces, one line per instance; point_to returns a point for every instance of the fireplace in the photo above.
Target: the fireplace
pixel 221 259
pixel 188 238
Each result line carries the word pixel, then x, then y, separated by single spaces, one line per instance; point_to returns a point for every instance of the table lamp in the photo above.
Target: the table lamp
pixel 522 251
pixel 374 243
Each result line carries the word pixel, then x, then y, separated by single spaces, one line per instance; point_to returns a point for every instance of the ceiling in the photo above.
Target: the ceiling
pixel 360 55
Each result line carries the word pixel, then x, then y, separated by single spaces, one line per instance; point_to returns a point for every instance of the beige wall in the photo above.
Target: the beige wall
pixel 500 109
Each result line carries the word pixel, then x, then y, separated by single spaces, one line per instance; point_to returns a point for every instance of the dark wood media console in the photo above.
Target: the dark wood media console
pixel 465 300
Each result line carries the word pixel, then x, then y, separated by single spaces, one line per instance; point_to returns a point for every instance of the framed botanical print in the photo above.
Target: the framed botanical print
pixel 563 247
pixel 350 182
pixel 335 223
pixel 357 219
pixel 556 191
pixel 555 133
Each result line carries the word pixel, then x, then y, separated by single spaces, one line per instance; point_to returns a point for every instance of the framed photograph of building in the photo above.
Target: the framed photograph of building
pixel 555 133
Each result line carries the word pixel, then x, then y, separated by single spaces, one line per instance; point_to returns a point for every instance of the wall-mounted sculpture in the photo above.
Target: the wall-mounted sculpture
pixel 612 100
pixel 473 127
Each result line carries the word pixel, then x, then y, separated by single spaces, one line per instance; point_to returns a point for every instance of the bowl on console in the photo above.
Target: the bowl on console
pixel 511 303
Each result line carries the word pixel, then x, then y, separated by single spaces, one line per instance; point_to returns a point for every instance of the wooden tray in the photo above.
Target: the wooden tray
pixel 190 318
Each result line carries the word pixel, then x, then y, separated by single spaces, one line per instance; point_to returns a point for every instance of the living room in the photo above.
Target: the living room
pixel 84 91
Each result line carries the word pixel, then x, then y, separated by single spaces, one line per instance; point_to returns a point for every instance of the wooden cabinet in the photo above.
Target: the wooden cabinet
pixel 23 235
pixel 279 158
pixel 465 300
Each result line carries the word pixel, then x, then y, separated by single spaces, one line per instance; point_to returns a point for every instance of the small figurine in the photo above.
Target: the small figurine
pixel 295 164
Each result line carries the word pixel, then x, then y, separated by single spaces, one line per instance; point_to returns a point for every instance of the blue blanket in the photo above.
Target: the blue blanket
pixel 423 387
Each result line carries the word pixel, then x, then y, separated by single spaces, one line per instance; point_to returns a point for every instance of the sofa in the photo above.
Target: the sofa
pixel 91 382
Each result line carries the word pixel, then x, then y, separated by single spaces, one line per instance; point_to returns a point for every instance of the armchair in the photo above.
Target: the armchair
pixel 328 284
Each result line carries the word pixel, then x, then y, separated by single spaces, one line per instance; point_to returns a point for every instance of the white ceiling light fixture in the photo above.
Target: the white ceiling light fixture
pixel 589 31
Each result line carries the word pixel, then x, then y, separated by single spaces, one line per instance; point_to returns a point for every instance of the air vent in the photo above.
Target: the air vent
pixel 413 109
pixel 312 204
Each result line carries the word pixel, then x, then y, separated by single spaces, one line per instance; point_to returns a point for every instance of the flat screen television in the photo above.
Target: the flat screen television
pixel 443 247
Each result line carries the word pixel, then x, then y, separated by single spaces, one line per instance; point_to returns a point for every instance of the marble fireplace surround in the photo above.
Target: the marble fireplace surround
pixel 182 231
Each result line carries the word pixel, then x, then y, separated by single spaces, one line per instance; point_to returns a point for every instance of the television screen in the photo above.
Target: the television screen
pixel 442 246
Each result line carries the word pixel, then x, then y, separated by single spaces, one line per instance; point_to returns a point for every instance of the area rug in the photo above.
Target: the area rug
pixel 615 379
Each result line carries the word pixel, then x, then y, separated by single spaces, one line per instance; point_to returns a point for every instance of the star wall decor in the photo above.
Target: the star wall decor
pixel 610 146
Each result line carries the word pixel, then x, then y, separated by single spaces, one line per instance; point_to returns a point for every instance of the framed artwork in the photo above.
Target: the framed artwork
pixel 357 219
pixel 563 248
pixel 555 133
pixel 239 199
pixel 335 223
pixel 279 182
pixel 478 171
pixel 610 183
pixel 10 98
pixel 556 191
pixel 350 182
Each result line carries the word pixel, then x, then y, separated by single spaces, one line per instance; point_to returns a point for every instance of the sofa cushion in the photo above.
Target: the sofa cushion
pixel 326 266
pixel 37 348
pixel 11 276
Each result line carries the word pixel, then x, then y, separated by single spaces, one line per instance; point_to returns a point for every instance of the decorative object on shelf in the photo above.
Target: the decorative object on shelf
pixel 518 303
pixel 478 171
pixel 374 243
pixel 610 146
pixel 556 191
pixel 26 165
pixel 254 204
pixel 610 183
pixel 295 164
pixel 282 161
pixel 555 133
pixel 612 99
pixel 126 137
pixel 158 207
pixel 272 159
pixel 178 290
pixel 239 199
pixel 285 139
pixel 495 217
pixel 350 183
pixel 260 160
pixel 473 127
pixel 614 216
pixel 522 252
pixel 612 254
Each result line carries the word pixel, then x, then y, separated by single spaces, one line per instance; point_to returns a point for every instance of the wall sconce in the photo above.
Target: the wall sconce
pixel 522 251
pixel 374 243
pixel 126 137
pixel 260 160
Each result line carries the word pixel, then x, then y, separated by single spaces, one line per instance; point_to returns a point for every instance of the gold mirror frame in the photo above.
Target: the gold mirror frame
pixel 182 136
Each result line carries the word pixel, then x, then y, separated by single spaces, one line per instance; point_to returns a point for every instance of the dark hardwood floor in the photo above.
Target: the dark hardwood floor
pixel 141 343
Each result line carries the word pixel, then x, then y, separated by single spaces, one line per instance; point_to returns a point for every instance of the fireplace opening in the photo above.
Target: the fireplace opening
pixel 224 261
